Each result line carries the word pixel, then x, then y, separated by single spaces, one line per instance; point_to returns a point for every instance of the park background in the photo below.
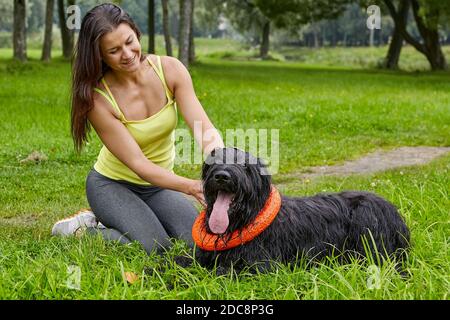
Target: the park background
pixel 335 89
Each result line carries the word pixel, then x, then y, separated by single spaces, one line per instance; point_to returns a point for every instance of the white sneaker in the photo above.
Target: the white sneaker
pixel 69 226
pixel 100 225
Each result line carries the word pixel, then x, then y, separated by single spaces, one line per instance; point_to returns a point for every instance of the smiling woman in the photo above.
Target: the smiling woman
pixel 121 49
pixel 132 100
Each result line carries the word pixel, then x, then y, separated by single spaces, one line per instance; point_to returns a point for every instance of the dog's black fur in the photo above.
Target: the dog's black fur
pixel 313 227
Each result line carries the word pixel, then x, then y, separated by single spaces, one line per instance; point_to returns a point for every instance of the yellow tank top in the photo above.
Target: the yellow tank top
pixel 154 135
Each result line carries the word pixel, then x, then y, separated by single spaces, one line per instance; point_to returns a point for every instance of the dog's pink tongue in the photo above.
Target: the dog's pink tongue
pixel 218 221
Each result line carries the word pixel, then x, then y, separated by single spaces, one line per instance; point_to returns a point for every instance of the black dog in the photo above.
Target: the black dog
pixel 238 192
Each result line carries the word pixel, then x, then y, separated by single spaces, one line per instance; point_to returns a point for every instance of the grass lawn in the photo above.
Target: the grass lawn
pixel 325 115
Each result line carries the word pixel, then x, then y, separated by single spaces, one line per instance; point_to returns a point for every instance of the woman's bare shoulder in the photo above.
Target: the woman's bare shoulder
pixel 171 64
pixel 173 70
pixel 101 104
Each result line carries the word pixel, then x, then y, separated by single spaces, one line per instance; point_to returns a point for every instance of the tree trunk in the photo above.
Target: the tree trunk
pixel 434 53
pixel 396 44
pixel 431 46
pixel 430 35
pixel 166 27
pixel 19 32
pixel 47 47
pixel 393 54
pixel 66 34
pixel 185 27
pixel 191 36
pixel 264 48
pixel 151 26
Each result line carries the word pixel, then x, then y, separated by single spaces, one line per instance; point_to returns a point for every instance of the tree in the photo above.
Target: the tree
pixel 191 36
pixel 247 19
pixel 301 12
pixel 139 10
pixel 19 31
pixel 396 44
pixel 35 15
pixel 264 48
pixel 263 15
pixel 67 36
pixel 184 31
pixel 208 17
pixel 47 47
pixel 151 26
pixel 396 40
pixel 166 27
pixel 427 15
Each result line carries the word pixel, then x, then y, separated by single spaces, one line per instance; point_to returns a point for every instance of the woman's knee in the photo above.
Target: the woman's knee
pixel 175 212
pixel 118 207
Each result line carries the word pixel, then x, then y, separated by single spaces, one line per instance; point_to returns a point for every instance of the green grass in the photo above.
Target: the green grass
pixel 325 114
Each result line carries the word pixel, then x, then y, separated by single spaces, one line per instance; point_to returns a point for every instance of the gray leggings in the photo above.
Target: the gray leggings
pixel 148 214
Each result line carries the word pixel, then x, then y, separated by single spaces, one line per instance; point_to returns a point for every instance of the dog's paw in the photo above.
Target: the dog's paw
pixel 221 270
pixel 183 261
pixel 150 270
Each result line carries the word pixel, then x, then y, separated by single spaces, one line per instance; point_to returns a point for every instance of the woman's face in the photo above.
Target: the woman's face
pixel 121 49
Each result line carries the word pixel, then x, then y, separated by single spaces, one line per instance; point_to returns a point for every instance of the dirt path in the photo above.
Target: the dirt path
pixel 373 162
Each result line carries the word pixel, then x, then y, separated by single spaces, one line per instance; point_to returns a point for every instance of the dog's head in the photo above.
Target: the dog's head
pixel 236 186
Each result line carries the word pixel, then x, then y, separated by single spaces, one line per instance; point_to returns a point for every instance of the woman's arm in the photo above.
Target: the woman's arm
pixel 122 145
pixel 189 105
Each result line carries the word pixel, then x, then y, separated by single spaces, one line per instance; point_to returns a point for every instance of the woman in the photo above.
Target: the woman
pixel 129 99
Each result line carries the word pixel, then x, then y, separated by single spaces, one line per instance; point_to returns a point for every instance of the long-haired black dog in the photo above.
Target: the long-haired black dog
pixel 237 187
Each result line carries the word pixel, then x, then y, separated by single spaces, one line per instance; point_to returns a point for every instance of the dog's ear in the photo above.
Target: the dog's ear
pixel 211 158
pixel 263 167
pixel 260 177
pixel 207 163
pixel 256 162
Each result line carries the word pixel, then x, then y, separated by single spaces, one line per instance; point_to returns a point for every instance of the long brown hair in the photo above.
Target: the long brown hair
pixel 87 64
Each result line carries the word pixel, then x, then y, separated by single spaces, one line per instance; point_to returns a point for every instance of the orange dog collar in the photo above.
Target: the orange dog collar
pixel 213 242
